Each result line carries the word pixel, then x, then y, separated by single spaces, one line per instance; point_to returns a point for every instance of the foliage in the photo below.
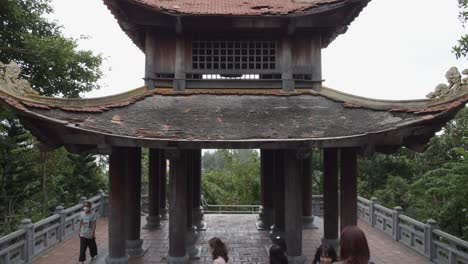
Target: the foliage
pixel 231 177
pixel 51 62
pixel 461 49
pixel 441 194
pixel 54 66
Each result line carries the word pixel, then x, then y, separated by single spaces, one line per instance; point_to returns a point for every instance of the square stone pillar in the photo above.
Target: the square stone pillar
pixel 330 196
pixel 267 168
pixel 348 187
pixel 197 212
pixel 133 202
pixel 307 173
pixel 178 206
pixel 163 183
pixel 277 229
pixel 153 220
pixel 293 206
pixel 117 167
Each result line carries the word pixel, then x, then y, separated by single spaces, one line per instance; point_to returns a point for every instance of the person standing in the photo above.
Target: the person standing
pixel 87 232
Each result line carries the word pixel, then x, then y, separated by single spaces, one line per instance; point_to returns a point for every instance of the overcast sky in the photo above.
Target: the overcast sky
pixel 395 49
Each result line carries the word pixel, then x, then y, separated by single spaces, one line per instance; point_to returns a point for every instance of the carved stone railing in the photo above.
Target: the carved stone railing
pixel 424 238
pixel 33 239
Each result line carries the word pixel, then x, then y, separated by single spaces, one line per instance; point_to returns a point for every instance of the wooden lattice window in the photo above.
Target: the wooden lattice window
pixel 240 55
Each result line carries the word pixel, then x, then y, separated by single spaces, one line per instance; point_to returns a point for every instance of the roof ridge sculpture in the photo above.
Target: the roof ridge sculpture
pixel 10 81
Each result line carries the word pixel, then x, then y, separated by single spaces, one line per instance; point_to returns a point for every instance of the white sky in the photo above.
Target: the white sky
pixel 395 49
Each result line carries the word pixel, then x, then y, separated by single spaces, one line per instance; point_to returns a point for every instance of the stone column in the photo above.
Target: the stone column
pixel 117 167
pixel 153 220
pixel 163 184
pixel 330 196
pixel 192 234
pixel 348 187
pixel 307 170
pixel 293 206
pixel 133 202
pixel 178 206
pixel 197 205
pixel 267 164
pixel 277 229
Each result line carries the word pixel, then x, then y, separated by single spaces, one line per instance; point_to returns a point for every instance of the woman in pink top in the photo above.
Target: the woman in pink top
pixel 218 251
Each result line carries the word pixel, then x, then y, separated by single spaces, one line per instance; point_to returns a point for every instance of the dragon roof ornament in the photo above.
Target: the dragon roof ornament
pixel 456 85
pixel 10 81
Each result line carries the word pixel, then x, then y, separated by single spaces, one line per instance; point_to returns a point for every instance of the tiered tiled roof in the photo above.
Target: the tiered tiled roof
pixel 236 7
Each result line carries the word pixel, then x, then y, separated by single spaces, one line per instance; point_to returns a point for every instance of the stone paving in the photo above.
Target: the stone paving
pixel 245 243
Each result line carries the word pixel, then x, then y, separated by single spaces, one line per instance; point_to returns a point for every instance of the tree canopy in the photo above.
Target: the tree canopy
pixel 51 62
pixel 461 49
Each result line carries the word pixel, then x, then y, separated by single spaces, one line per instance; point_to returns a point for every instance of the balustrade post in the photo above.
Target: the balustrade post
pixel 429 251
pixel 103 208
pixel 61 212
pixel 28 227
pixel 372 217
pixel 397 211
pixel 82 200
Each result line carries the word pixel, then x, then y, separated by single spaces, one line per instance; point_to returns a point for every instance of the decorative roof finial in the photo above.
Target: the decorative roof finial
pixel 455 85
pixel 10 82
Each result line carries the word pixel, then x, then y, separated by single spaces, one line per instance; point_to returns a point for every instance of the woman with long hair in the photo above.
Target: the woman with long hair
pixel 218 251
pixel 353 246
pixel 325 254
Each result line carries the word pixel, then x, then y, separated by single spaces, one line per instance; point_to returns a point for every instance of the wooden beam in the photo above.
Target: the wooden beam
pixel 348 187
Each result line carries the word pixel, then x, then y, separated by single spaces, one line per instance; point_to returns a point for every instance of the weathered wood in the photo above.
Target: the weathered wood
pixel 348 187
pixel 287 64
pixel 316 58
pixel 162 167
pixel 267 170
pixel 330 194
pixel 154 188
pixel 117 167
pixel 178 206
pixel 179 73
pixel 293 203
pixel 307 174
pixel 150 58
pixel 278 198
pixel 133 201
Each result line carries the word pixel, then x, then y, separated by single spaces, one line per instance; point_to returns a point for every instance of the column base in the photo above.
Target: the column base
pixel 123 260
pixel 153 222
pixel 197 214
pixel 308 222
pixel 164 213
pixel 134 248
pixel 297 259
pixel 177 260
pixel 191 239
pixel 265 218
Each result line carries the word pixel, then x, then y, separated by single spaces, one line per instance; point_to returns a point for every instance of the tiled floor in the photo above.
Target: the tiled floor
pixel 245 243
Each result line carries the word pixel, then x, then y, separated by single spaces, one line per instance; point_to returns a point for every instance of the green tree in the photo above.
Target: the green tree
pixel 441 194
pixel 51 62
pixel 461 49
pixel 237 182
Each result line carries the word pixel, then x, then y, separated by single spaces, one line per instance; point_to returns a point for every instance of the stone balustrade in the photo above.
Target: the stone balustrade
pixel 33 239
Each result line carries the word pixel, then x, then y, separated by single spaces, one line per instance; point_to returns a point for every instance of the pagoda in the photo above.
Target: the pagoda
pixel 231 74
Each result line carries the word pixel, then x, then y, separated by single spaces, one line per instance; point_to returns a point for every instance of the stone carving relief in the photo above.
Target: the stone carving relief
pixel 9 81
pixel 456 84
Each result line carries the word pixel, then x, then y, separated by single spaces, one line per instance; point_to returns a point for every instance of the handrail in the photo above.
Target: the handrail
pixel 33 239
pixel 426 239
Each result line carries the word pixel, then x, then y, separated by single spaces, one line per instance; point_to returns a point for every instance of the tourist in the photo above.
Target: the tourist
pixel 218 251
pixel 325 254
pixel 87 232
pixel 277 255
pixel 353 246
